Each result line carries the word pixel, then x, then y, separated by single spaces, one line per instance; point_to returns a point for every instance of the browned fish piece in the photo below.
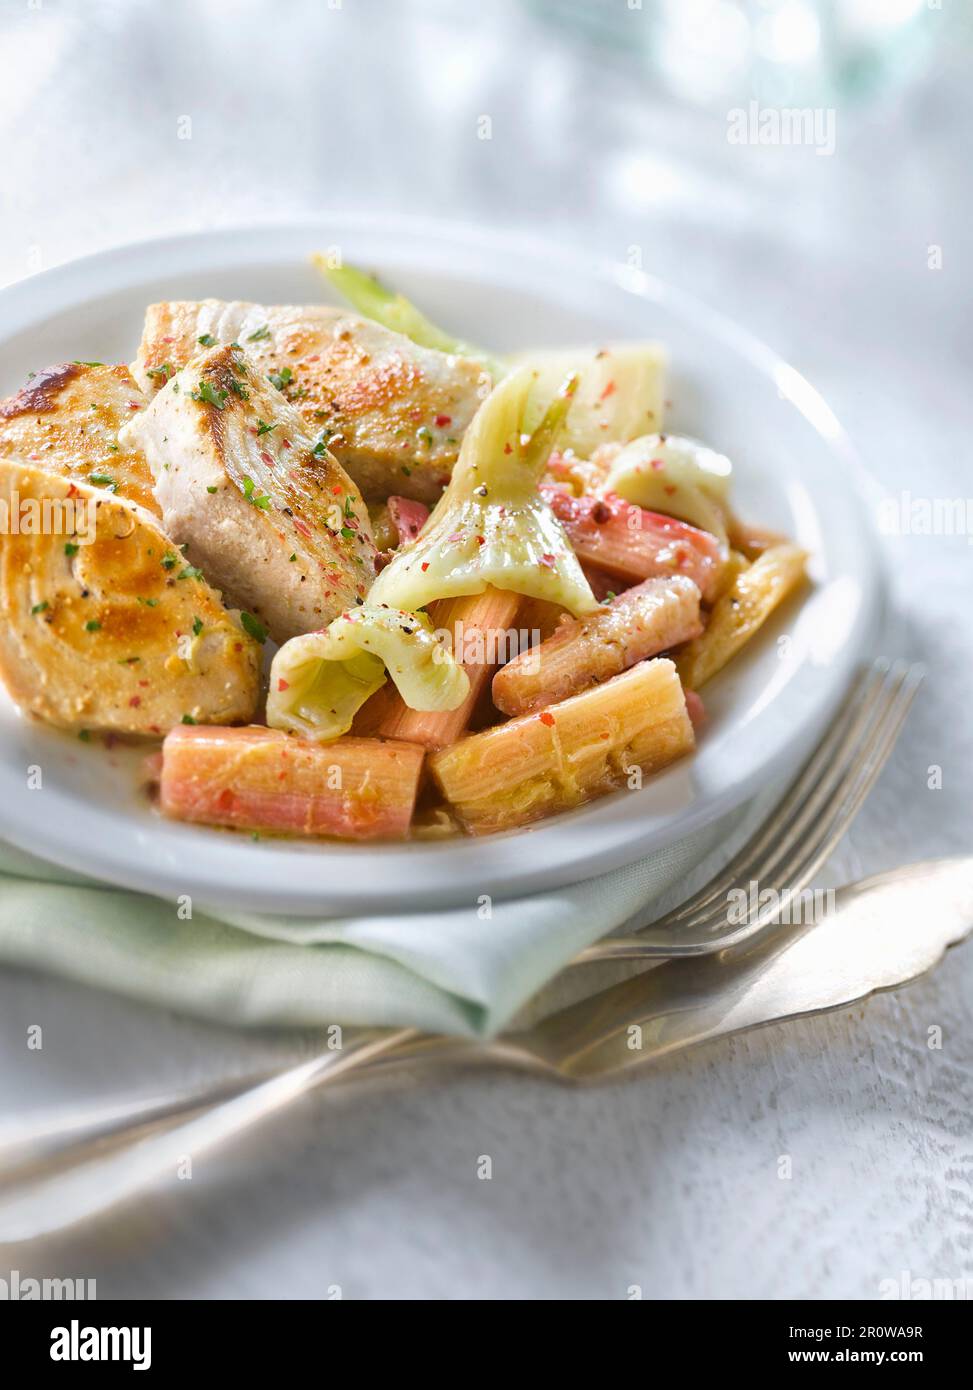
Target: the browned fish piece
pixel 66 420
pixel 393 413
pixel 272 520
pixel 102 624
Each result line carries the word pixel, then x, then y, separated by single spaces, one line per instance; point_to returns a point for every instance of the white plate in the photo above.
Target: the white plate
pixel 795 472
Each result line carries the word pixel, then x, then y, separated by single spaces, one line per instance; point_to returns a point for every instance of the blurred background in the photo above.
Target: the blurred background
pixel 803 165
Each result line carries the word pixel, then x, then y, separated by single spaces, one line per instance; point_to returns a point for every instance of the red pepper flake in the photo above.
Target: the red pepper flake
pixel 315 358
pixel 657 463
pixel 168 340
pixel 282 684
pixel 547 719
pixel 548 560
pixel 424 566
pixel 134 405
pixel 266 458
pixel 336 491
pixel 508 448
pixel 286 443
pixel 143 685
pixel 481 540
pixel 443 420
pixel 135 701
pixel 669 489
pixel 608 391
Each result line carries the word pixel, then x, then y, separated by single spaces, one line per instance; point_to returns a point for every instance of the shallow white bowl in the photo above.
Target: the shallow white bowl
pixel 795 471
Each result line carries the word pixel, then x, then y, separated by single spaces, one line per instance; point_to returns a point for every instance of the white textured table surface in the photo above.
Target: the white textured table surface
pixel 669 1182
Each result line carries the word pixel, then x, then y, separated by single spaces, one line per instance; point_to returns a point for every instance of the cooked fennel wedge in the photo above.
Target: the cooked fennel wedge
pixel 677 476
pixel 319 681
pixel 620 392
pixel 370 297
pixel 492 526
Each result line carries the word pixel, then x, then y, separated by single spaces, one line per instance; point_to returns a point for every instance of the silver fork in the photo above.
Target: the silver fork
pixel 831 787
pixel 791 845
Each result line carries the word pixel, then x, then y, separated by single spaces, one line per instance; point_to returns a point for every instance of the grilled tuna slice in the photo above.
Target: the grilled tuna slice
pixel 271 518
pixel 66 420
pixel 393 412
pixel 103 626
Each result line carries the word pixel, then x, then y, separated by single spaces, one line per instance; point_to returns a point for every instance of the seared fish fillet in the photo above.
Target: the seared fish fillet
pixel 272 520
pixel 103 626
pixel 66 420
pixel 393 412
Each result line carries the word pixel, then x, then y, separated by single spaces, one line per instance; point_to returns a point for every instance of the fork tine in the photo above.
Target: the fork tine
pixel 855 774
pixel 797 861
pixel 843 734
pixel 782 834
pixel 855 789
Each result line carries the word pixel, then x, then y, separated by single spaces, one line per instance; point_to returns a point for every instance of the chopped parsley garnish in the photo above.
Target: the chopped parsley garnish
pixel 348 533
pixel 256 629
pixel 77 363
pixel 188 719
pixel 264 428
pixel 191 572
pixel 256 499
pixel 239 390
pixel 197 626
pixel 40 607
pixel 321 446
pixel 103 480
pixel 92 625
pixel 282 378
pixel 349 509
pixel 292 557
pixel 84 735
pixel 165 371
pixel 259 336
pixel 170 561
pixel 71 548
pixel 207 340
pixel 149 602
pixel 208 393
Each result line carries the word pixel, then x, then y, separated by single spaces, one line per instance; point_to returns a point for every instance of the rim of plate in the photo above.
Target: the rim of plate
pixel 220 868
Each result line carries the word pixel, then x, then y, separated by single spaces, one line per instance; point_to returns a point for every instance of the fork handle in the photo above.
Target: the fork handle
pixel 29 1210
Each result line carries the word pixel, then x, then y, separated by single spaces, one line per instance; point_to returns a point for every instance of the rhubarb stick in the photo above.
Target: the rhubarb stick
pixel 263 780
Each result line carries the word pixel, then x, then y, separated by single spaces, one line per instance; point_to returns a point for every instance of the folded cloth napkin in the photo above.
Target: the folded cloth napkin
pixel 443 971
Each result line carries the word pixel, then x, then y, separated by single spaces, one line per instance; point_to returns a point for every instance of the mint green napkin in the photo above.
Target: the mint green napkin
pixel 443 971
